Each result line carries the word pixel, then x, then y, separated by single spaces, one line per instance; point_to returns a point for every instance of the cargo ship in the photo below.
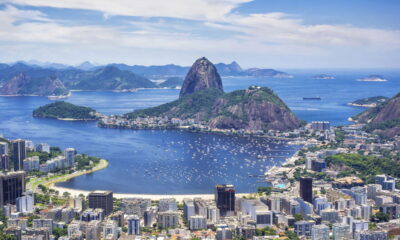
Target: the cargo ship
pixel 311 98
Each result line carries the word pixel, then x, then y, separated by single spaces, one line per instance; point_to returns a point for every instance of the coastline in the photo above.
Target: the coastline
pixel 154 197
pixel 50 183
pixel 362 105
pixel 103 164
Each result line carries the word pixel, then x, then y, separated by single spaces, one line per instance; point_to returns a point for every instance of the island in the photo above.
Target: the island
pixel 66 111
pixel 369 102
pixel 323 76
pixel 202 104
pixel 373 78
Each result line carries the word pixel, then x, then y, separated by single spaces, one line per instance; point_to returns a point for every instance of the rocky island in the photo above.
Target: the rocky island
pixel 66 111
pixel 384 119
pixel 203 103
pixel 323 76
pixel 373 78
pixel 369 102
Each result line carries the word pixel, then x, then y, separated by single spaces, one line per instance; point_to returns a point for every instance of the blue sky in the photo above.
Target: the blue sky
pixel 259 33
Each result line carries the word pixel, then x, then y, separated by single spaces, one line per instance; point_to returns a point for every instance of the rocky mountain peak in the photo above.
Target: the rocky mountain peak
pixel 202 75
pixel 235 66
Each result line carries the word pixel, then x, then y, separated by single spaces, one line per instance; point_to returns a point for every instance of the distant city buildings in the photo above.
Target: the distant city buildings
pixel 43 147
pixel 25 203
pixel 225 199
pixel 101 199
pixel 320 125
pixel 3 148
pixel 306 192
pixel 19 153
pixel 69 154
pixel 133 224
pixel 4 162
pixel 12 185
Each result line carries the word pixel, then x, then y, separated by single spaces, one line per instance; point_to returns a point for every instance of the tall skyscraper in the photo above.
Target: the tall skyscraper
pixel 225 198
pixel 19 154
pixel 12 185
pixel 4 162
pixel 306 189
pixel 3 148
pixel 69 154
pixel 133 225
pixel 101 199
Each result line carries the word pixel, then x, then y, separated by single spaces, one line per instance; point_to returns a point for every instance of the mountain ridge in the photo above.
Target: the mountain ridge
pixel 383 119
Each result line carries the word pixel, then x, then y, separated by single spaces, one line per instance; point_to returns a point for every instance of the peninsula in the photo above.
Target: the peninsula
pixel 384 119
pixel 203 104
pixel 369 102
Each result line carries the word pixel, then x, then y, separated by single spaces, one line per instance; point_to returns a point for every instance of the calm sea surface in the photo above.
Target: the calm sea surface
pixel 176 162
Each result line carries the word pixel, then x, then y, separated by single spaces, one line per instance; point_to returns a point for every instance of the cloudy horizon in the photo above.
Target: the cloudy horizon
pixel 255 33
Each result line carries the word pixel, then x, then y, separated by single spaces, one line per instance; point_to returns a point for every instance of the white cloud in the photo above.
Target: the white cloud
pixel 185 9
pixel 220 32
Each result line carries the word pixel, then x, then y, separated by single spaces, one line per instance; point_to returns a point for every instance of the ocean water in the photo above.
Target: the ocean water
pixel 177 162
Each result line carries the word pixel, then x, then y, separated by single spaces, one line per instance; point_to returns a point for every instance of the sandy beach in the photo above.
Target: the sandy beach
pixel 155 197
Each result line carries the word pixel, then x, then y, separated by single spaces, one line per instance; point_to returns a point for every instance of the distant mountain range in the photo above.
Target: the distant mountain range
pixel 112 77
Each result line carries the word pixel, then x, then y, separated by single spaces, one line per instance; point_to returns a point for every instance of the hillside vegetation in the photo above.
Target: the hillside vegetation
pixel 256 108
pixel 65 110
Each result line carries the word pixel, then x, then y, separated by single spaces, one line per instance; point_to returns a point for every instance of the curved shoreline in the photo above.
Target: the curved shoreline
pixel 50 183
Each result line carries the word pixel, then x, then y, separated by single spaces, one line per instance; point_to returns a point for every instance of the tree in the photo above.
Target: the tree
pixel 31 218
pixel 58 232
pixel 380 217
pixel 298 217
pixel 4 236
pixel 291 235
pixel 66 194
pixel 266 190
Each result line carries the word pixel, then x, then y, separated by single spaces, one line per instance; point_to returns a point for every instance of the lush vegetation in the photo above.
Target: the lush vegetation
pixel 47 199
pixel 383 125
pixel 86 162
pixel 299 173
pixel 187 106
pixel 254 93
pixel 44 156
pixel 264 190
pixel 267 231
pixel 202 102
pixel 65 110
pixel 58 232
pixel 291 235
pixel 4 236
pixel 380 217
pixel 366 167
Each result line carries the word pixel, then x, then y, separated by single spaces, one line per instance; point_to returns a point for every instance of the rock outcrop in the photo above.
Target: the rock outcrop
pixel 383 119
pixel 202 75
pixel 202 99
